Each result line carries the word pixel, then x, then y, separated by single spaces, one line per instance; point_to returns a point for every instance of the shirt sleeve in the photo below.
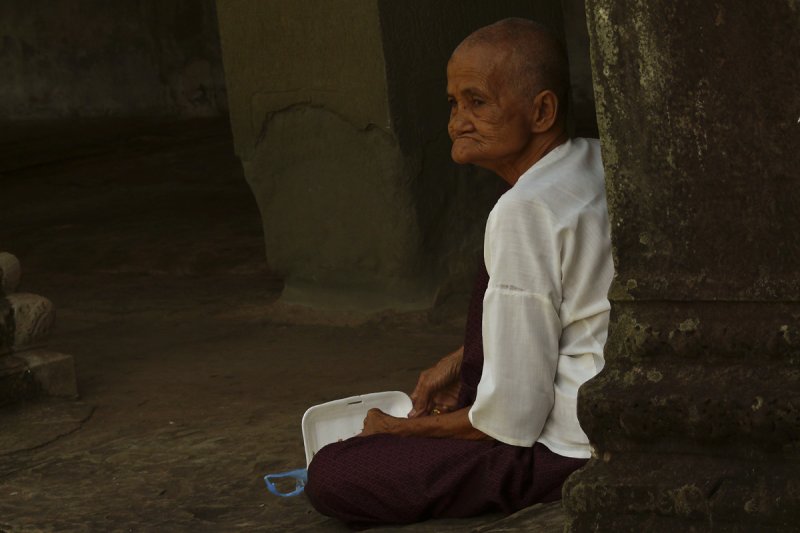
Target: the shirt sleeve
pixel 521 324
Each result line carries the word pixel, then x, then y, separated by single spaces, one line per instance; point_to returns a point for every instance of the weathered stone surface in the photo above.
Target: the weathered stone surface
pixel 315 142
pixel 655 492
pixel 97 59
pixel 31 425
pixel 695 417
pixel 705 331
pixel 539 518
pixel 698 107
pixel 737 410
pixel 10 273
pixel 308 237
pixel 6 326
pixel 34 316
pixel 688 375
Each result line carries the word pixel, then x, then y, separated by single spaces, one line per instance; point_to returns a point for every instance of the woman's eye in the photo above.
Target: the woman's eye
pixel 451 103
pixel 477 102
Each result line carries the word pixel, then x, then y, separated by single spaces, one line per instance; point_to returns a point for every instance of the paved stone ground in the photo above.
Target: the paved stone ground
pixel 192 387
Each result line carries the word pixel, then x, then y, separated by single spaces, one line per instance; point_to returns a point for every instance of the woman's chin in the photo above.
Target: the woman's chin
pixel 460 156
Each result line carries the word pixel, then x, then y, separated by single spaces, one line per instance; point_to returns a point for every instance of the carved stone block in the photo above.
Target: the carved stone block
pixel 10 273
pixel 34 316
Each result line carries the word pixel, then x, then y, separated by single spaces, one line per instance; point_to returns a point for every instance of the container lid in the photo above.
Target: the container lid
pixel 341 419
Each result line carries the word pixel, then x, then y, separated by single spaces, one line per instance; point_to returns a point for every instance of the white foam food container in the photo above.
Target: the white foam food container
pixel 341 419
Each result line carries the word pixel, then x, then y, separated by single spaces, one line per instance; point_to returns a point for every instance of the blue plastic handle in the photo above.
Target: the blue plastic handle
pixel 300 476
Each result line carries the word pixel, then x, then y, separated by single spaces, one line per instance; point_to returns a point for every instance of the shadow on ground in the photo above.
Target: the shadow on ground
pixel 147 239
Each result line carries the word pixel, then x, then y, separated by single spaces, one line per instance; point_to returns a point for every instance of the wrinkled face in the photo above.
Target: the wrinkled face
pixel 490 124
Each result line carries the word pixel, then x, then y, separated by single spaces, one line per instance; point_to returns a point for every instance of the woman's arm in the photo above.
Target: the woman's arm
pixel 434 399
pixel 453 425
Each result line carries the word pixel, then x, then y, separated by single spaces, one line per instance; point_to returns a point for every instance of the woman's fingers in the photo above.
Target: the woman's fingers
pixel 436 385
pixel 420 402
pixel 447 396
pixel 421 397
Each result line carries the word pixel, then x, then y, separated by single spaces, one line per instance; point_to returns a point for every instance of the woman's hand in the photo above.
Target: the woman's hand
pixel 377 422
pixel 437 388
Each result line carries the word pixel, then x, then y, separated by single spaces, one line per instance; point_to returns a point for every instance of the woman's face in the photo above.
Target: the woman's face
pixel 490 124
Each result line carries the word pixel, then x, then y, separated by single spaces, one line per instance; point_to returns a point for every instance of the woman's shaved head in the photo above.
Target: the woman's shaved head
pixel 538 59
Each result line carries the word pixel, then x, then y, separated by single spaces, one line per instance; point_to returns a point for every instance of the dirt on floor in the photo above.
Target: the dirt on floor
pixel 192 382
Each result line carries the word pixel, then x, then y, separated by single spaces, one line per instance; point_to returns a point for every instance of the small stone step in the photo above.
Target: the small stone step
pixel 35 373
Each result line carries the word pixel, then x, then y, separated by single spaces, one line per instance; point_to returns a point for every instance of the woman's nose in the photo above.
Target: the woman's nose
pixel 459 122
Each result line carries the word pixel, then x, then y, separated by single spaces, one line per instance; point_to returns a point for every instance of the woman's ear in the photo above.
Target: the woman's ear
pixel 545 111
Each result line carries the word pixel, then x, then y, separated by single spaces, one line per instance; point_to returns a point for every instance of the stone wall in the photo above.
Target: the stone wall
pixel 94 58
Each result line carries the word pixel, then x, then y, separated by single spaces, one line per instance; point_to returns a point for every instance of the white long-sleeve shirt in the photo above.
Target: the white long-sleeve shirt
pixel 547 249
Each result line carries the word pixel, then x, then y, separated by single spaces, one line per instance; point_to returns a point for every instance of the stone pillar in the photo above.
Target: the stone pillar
pixel 339 116
pixel 696 417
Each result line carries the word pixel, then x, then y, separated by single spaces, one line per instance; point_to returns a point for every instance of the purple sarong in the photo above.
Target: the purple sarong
pixel 385 479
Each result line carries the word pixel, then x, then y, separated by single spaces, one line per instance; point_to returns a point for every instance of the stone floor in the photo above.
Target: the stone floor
pixel 147 239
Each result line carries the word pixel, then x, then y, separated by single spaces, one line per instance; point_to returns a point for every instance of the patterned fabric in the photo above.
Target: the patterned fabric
pixel 384 479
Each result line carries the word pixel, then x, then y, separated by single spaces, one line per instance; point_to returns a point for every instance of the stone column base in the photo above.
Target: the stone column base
pixel 662 492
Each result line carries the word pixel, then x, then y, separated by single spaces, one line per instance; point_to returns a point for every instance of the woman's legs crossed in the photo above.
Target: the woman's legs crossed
pixel 384 479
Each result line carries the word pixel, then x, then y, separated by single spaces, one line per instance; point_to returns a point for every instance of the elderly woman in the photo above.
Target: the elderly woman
pixel 494 425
